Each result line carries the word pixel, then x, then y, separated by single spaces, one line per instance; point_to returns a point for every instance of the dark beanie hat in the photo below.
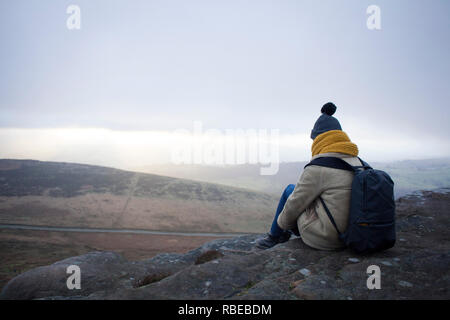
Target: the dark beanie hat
pixel 326 121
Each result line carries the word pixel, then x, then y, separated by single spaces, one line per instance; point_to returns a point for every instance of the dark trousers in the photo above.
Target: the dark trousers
pixel 275 230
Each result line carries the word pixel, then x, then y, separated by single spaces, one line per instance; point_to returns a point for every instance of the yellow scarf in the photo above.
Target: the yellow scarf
pixel 333 141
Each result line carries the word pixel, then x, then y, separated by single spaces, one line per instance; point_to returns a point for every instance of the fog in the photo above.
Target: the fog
pixel 114 91
pixel 129 149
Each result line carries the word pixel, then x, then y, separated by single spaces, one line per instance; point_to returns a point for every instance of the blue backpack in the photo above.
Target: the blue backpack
pixel 371 224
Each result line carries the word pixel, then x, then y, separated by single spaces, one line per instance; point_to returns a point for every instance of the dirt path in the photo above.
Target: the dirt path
pixel 104 230
pixel 131 190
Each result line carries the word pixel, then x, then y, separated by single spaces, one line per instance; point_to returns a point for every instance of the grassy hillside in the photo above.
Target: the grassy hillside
pixel 244 176
pixel 67 194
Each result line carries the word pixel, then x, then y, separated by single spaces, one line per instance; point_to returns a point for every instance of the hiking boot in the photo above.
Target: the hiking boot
pixel 269 241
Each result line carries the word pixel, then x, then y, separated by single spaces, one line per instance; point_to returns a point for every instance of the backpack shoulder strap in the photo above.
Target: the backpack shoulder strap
pixel 331 162
pixel 329 215
pixel 365 165
pixel 337 163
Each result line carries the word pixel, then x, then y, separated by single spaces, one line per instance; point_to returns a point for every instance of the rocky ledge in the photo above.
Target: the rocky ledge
pixel 416 268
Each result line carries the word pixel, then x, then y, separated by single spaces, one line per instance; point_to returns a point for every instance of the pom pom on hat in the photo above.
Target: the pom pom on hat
pixel 328 108
pixel 326 121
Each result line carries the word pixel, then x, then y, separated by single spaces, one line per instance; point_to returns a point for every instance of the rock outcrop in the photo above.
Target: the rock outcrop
pixel 416 268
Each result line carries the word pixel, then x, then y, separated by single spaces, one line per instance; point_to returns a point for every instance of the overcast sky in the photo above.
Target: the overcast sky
pixel 139 68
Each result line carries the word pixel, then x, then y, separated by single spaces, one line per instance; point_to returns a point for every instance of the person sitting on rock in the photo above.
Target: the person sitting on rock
pixel 299 210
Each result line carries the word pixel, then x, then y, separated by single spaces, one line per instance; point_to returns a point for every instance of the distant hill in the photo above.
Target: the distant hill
pixel 413 175
pixel 69 194
pixel 244 176
pixel 408 175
